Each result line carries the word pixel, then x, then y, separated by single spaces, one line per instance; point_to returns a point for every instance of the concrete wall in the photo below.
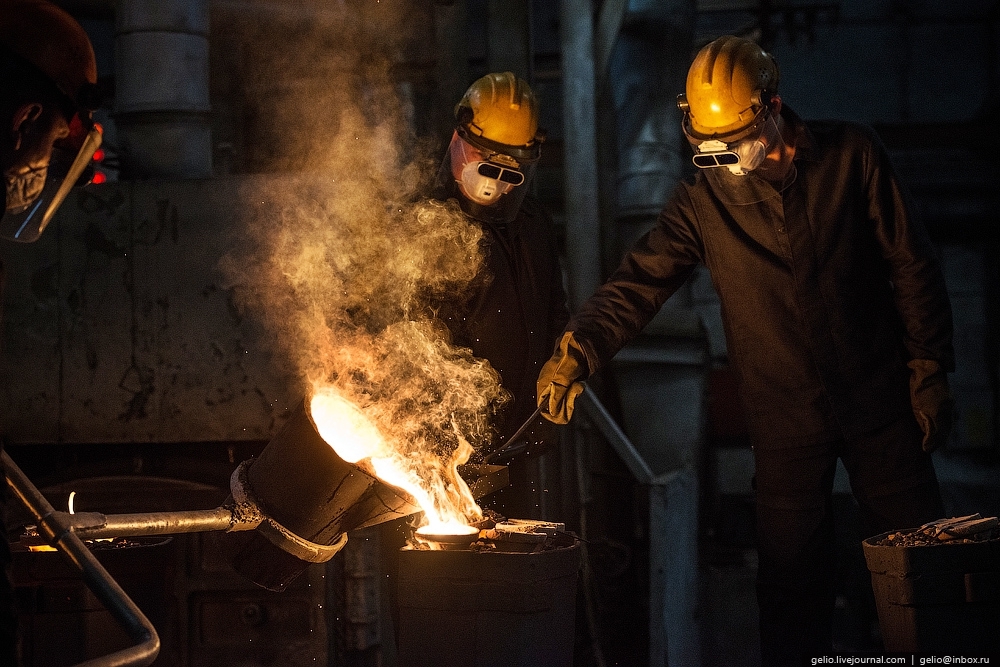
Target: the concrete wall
pixel 117 326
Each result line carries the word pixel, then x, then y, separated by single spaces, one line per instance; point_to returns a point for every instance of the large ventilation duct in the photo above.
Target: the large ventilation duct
pixel 161 105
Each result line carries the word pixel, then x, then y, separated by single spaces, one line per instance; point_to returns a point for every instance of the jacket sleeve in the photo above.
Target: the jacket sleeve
pixel 920 292
pixel 652 270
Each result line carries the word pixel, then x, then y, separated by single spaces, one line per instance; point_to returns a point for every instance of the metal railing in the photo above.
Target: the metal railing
pixel 66 532
pixel 61 536
pixel 666 624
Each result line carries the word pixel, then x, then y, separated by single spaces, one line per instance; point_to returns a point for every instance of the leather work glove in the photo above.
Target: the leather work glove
pixel 561 379
pixel 931 400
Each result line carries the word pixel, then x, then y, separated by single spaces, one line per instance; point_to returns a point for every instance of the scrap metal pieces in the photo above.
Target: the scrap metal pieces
pixel 961 529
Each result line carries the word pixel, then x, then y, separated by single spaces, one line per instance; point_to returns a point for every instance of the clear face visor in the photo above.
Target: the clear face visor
pixel 69 166
pixel 742 153
pixel 482 177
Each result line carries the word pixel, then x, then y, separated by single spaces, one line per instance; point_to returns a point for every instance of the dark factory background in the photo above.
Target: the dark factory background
pixel 131 377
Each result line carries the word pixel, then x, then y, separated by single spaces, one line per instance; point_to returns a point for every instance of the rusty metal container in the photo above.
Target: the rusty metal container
pixel 937 598
pixel 463 608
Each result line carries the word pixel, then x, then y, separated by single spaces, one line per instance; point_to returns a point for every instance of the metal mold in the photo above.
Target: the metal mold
pixel 446 541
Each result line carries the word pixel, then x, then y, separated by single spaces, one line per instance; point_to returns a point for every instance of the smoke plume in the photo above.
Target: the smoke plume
pixel 343 259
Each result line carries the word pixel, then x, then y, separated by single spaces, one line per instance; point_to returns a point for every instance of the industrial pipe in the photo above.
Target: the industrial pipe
pixel 583 225
pixel 162 107
pixel 94 525
pixel 613 433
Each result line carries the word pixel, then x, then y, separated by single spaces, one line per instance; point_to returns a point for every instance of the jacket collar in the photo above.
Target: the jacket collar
pixel 805 142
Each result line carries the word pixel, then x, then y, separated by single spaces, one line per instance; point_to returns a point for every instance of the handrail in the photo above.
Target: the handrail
pixel 107 590
pixel 613 433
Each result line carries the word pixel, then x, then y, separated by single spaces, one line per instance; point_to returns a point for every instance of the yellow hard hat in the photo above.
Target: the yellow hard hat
pixel 499 112
pixel 730 81
pixel 52 40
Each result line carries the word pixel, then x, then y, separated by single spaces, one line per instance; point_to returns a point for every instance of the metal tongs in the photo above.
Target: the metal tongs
pixel 506 450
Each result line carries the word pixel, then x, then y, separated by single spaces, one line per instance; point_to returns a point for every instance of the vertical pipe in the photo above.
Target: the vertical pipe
pixel 362 583
pixel 161 88
pixel 509 49
pixel 580 150
pixel 580 183
pixel 673 574
pixel 647 69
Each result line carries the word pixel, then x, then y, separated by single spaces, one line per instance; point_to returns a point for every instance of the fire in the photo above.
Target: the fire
pixel 432 481
pixel 346 429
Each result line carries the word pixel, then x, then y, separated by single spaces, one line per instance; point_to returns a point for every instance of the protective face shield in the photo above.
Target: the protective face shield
pixel 52 42
pixel 494 149
pixel 750 175
pixel 492 184
pixel 34 197
pixel 481 180
pixel 742 152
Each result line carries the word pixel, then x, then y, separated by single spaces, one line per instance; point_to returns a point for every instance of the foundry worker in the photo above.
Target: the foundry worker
pixel 49 91
pixel 516 306
pixel 836 315
pixel 48 88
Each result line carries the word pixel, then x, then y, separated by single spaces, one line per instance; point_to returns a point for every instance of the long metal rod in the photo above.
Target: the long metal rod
pixel 504 451
pixel 152 523
pixel 107 590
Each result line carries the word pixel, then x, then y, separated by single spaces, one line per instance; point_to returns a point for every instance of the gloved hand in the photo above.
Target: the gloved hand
pixel 931 400
pixel 561 379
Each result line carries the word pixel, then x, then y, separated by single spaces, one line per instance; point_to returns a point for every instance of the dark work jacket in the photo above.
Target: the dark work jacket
pixel 514 313
pixel 827 289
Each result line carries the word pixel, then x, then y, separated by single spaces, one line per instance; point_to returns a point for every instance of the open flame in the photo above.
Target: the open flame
pixel 70 505
pixel 433 482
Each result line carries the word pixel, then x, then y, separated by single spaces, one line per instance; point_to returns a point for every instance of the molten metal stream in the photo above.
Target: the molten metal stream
pixel 432 481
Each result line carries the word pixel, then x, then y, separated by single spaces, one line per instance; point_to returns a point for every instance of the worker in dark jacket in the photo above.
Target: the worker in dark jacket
pixel 516 305
pixel 48 88
pixel 836 316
